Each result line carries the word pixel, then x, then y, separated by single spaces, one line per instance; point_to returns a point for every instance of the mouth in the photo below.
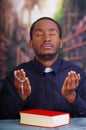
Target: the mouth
pixel 47 46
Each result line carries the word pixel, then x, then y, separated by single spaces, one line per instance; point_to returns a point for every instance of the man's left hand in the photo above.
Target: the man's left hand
pixel 69 86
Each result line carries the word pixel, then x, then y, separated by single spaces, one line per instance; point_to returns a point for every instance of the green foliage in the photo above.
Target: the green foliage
pixel 59 12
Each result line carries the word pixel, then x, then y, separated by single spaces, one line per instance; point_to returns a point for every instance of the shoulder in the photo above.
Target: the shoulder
pixel 68 64
pixel 27 66
pixel 73 67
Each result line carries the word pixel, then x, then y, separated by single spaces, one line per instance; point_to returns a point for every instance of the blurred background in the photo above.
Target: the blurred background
pixel 16 17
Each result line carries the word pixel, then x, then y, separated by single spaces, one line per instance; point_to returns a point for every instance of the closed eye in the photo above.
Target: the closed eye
pixel 39 34
pixel 52 34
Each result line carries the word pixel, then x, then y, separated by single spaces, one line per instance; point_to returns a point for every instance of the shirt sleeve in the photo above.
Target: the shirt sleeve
pixel 10 102
pixel 79 107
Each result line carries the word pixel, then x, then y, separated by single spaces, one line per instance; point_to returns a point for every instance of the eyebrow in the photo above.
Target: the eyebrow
pixel 36 30
pixel 51 29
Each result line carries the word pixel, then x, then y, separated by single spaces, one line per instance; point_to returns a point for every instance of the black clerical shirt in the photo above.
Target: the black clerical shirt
pixel 45 90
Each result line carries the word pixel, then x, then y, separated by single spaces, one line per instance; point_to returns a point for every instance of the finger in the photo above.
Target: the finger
pixel 65 82
pixel 65 85
pixel 74 80
pixel 77 79
pixel 64 88
pixel 17 81
pixel 27 83
pixel 16 73
pixel 22 74
pixel 69 79
pixel 27 87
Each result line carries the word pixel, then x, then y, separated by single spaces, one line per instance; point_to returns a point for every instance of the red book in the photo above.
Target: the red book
pixel 44 118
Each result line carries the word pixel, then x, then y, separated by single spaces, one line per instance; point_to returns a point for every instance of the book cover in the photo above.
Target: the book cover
pixel 44 118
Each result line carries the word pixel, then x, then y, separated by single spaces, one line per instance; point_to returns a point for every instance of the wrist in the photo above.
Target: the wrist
pixel 71 98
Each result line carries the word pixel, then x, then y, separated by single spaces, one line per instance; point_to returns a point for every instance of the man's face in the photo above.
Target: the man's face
pixel 45 41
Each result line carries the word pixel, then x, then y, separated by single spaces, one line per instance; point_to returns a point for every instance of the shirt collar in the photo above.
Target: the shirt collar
pixel 57 65
pixel 40 68
pixel 48 69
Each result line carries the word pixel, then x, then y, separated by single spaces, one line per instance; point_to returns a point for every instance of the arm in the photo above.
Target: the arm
pixel 75 93
pixel 11 100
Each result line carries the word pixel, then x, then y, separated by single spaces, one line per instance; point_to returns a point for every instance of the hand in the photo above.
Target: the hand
pixel 69 86
pixel 22 83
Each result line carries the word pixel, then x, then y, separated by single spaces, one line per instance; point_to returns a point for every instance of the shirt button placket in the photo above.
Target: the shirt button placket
pixel 49 84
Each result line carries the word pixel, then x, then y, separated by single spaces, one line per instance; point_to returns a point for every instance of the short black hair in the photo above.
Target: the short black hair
pixel 32 27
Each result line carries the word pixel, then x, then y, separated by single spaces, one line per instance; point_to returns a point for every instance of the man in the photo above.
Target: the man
pixel 47 81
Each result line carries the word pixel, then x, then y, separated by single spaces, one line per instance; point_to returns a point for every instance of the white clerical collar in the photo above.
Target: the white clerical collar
pixel 48 69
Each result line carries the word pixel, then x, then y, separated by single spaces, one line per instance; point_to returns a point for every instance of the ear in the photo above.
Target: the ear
pixel 61 43
pixel 30 44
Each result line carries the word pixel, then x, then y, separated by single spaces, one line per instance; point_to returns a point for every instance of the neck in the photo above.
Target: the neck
pixel 47 63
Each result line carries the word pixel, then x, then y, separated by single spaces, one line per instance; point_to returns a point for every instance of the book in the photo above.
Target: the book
pixel 44 118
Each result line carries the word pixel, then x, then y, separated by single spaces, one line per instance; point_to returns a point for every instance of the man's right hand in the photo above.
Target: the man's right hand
pixel 22 84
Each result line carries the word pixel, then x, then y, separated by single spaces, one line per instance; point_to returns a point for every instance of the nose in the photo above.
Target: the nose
pixel 47 38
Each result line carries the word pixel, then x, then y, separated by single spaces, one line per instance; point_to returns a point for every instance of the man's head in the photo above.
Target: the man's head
pixel 45 39
pixel 42 18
